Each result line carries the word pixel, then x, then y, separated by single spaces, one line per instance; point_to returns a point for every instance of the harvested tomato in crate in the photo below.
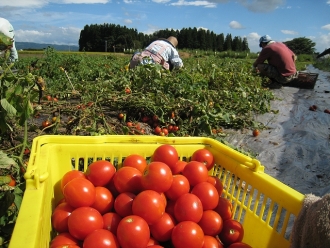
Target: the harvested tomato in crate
pixel 263 206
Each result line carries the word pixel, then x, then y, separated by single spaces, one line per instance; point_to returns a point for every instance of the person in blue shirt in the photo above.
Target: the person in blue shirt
pixel 161 51
pixel 7 39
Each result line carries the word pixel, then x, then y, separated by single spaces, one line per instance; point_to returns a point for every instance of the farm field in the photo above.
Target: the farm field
pixel 95 94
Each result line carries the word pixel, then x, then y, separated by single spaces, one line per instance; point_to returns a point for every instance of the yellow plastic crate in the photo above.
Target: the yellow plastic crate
pixel 265 206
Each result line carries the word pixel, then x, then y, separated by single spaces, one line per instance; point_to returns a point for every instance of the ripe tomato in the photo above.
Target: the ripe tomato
pixel 157 176
pixel 187 234
pixel 121 116
pixel 133 232
pixel 63 239
pixel 60 217
pixel 231 232
pixel 216 182
pixel 175 128
pixel 111 221
pixel 211 223
pixel 196 172
pixel 211 242
pixel 207 193
pixel 46 123
pixel 79 192
pixel 101 238
pixel 136 161
pixel 162 229
pixel 49 98
pixel 149 205
pixel 205 156
pixel 179 166
pixel 157 130
pixel 224 208
pixel 255 132
pixel 83 221
pixel 170 207
pixel 166 154
pixel 129 124
pixel 239 245
pixel 180 185
pixel 165 131
pixel 71 175
pixel 12 181
pixel 123 204
pixel 188 207
pixel 128 179
pixel 104 200
pixel 100 172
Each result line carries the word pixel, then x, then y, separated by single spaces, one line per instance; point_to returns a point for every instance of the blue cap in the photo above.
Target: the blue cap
pixel 265 39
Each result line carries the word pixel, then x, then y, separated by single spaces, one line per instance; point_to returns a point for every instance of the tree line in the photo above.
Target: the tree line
pixel 116 38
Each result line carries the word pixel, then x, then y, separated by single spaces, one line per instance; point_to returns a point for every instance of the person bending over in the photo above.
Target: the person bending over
pixel 7 39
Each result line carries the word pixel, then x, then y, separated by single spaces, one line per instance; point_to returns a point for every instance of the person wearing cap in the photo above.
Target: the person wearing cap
pixel 161 51
pixel 281 66
pixel 7 39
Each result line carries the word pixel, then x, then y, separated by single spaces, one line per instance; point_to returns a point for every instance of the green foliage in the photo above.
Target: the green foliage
pixel 323 64
pixel 301 45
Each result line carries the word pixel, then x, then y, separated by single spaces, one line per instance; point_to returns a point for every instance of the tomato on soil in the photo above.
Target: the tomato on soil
pixel 255 132
pixel 26 151
pixel 46 123
pixel 121 116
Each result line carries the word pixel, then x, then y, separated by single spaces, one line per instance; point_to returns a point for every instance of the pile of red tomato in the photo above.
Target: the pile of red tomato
pixel 163 203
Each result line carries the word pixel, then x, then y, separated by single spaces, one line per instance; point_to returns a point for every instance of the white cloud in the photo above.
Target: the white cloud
pixel 206 4
pixel 323 42
pixel 161 1
pixel 289 32
pixel 128 21
pixel 327 27
pixel 41 3
pixel 253 41
pixel 261 5
pixel 236 25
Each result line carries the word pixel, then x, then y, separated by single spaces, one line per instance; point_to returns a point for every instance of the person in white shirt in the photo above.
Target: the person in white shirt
pixel 161 51
pixel 7 39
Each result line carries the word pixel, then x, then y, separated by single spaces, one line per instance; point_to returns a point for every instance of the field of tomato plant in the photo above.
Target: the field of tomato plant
pixel 84 94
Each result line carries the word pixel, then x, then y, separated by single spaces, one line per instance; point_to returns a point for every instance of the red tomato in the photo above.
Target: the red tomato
pixel 133 232
pixel 136 161
pixel 165 131
pixel 128 179
pixel 207 193
pixel 63 239
pixel 101 238
pixel 179 166
pixel 60 217
pixel 155 246
pixel 170 207
pixel 216 182
pixel 205 156
pixel 111 221
pixel 83 221
pixel 187 234
pixel 112 188
pixel 180 185
pixel 100 172
pixel 188 207
pixel 152 242
pixel 195 172
pixel 157 130
pixel 123 204
pixel 166 154
pixel 157 176
pixel 71 175
pixel 224 208
pixel 211 242
pixel 162 229
pixel 211 223
pixel 104 200
pixel 239 245
pixel 79 192
pixel 232 232
pixel 149 205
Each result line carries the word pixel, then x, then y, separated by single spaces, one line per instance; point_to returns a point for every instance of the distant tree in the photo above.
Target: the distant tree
pixel 301 45
pixel 245 45
pixel 220 41
pixel 228 43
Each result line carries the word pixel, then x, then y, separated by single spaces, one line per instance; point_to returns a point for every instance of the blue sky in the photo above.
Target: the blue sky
pixel 60 21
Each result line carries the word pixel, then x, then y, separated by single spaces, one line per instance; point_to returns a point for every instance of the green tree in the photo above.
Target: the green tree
pixel 301 45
